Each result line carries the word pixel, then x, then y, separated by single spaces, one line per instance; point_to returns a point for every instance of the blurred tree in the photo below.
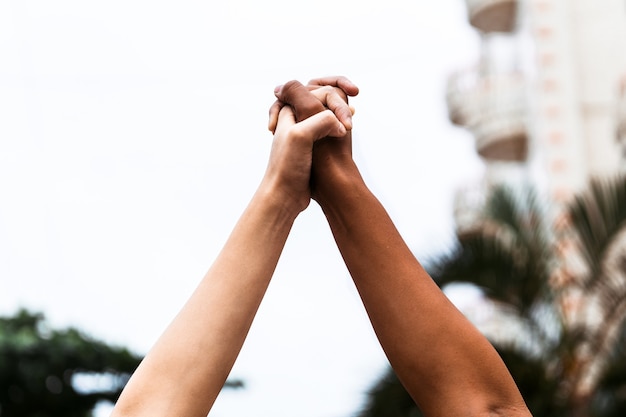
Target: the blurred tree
pixel 557 293
pixel 58 373
pixel 40 368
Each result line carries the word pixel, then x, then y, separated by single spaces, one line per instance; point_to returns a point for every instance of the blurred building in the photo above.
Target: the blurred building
pixel 546 100
pixel 546 104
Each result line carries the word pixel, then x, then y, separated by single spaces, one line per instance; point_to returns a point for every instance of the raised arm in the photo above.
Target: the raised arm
pixel 446 365
pixel 185 370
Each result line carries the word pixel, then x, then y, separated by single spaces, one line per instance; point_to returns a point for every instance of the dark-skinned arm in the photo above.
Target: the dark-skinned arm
pixel 444 362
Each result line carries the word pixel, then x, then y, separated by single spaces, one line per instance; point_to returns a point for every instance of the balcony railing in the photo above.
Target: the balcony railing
pixel 469 208
pixel 493 108
pixel 492 15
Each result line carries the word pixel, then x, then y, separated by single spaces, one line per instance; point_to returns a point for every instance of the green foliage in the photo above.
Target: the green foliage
pixel 598 215
pixel 508 257
pixel 41 369
pixel 38 367
pixel 610 397
pixel 388 398
pixel 538 386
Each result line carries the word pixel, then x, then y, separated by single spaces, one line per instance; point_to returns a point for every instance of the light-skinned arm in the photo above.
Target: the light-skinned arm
pixel 183 373
pixel 444 362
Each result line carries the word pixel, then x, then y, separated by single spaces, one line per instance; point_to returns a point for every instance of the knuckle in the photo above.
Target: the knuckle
pixel 341 93
pixel 289 88
pixel 327 114
pixel 327 117
pixel 296 135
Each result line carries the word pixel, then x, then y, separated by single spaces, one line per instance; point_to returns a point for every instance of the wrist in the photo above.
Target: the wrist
pixel 333 183
pixel 275 200
pixel 333 167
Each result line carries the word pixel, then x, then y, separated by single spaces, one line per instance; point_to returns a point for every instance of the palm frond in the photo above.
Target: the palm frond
pixel 537 382
pixel 388 398
pixel 597 216
pixel 482 260
pixel 610 397
pixel 510 258
pixel 503 207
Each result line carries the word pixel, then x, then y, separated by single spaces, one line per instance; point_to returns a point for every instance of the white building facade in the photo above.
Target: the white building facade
pixel 546 100
pixel 546 104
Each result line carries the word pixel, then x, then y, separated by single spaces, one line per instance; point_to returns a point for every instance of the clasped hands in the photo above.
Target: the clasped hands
pixel 312 139
pixel 446 365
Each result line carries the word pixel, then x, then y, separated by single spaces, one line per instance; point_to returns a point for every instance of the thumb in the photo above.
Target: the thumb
pixel 285 118
pixel 319 126
pixel 300 99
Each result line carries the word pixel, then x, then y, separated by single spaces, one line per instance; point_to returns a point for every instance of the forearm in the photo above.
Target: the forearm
pixel 186 369
pixel 182 375
pixel 447 366
pixel 443 361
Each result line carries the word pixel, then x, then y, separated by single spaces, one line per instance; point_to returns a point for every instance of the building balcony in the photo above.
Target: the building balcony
pixel 492 15
pixel 493 108
pixel 469 207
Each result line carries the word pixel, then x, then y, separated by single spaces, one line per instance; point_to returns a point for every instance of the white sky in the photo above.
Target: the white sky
pixel 133 133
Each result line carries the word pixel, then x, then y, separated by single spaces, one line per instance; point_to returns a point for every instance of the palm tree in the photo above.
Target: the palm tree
pixel 597 219
pixel 41 369
pixel 562 287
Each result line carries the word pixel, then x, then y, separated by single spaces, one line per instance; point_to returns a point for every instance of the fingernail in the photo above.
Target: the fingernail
pixel 277 89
